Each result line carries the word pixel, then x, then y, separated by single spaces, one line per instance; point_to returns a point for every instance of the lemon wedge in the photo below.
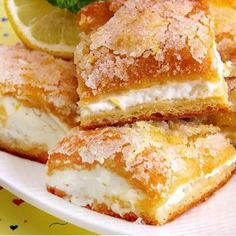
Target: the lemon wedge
pixel 44 27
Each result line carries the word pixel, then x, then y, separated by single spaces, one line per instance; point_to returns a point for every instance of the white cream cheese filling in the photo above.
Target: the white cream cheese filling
pixel 29 125
pixel 97 184
pixel 188 90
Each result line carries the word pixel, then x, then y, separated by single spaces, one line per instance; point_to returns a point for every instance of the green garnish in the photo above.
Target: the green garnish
pixel 72 5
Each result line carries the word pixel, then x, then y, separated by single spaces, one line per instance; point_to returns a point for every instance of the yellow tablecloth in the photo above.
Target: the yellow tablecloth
pixel 16 216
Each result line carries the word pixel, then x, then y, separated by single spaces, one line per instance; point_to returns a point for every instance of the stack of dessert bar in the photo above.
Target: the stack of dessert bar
pixel 150 81
pixel 141 67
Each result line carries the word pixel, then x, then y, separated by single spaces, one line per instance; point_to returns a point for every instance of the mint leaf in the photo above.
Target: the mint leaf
pixel 72 5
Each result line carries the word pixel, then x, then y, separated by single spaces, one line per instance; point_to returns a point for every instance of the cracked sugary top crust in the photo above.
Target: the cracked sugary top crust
pixel 39 80
pixel 147 42
pixel 224 14
pixel 155 156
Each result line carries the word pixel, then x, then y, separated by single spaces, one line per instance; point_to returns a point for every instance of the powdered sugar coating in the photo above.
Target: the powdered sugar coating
pixel 158 26
pixel 144 40
pixel 39 79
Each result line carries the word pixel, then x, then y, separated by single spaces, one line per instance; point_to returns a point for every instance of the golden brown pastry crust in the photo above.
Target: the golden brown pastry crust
pixel 177 47
pixel 39 80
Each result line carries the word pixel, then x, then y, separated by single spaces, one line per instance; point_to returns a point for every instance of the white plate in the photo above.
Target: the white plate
pixel 26 179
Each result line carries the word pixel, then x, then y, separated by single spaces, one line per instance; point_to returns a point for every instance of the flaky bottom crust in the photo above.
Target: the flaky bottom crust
pixel 201 196
pixel 166 110
pixel 30 152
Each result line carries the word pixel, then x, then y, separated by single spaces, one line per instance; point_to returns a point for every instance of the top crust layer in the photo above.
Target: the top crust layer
pixel 147 42
pixel 224 14
pixel 39 80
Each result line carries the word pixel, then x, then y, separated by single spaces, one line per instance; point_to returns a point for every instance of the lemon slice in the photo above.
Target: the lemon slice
pixel 42 26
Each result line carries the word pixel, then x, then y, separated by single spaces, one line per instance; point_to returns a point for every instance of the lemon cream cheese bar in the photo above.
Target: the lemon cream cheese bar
pixel 37 101
pixel 151 60
pixel 149 170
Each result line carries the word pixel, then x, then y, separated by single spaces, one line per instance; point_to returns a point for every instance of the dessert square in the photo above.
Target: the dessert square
pixel 150 171
pixel 37 101
pixel 151 60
